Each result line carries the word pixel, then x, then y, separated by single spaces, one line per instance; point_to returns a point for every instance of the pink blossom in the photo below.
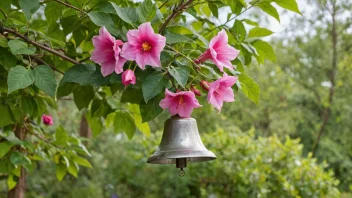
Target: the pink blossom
pixel 181 103
pixel 144 46
pixel 128 77
pixel 47 119
pixel 107 53
pixel 220 52
pixel 220 91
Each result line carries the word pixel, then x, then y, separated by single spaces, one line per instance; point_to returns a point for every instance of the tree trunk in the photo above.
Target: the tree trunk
pixel 84 130
pixel 19 190
pixel 331 75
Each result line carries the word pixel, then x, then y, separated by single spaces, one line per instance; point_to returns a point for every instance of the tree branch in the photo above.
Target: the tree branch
pixel 176 11
pixel 48 49
pixel 70 6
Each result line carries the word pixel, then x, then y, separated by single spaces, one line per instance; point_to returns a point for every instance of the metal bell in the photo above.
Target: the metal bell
pixel 180 144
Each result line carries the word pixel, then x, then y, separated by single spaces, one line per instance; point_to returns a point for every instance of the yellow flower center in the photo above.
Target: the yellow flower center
pixel 180 100
pixel 146 46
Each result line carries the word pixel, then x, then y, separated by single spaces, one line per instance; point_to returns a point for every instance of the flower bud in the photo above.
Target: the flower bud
pixel 205 85
pixel 47 119
pixel 128 77
pixel 195 91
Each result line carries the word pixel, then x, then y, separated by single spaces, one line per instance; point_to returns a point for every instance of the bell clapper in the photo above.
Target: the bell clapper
pixel 181 163
pixel 181 173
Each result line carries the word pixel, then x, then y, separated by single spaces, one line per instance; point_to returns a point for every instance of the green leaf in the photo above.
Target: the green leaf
pixel 131 95
pixel 142 127
pixel 177 38
pixel 124 122
pixel 61 171
pixel 259 32
pixel 152 109
pixel 288 5
pixel 252 23
pixel 61 136
pixel 152 86
pixel 95 124
pixel 250 88
pixel 214 9
pixel 70 23
pixel 18 158
pixel 84 74
pixel 52 12
pixel 7 59
pixel 73 169
pixel 65 89
pixel 3 41
pixel 11 182
pixel 81 161
pixel 128 15
pixel 5 147
pixel 5 117
pixel 29 7
pixel 18 78
pixel 264 49
pixel 269 9
pixel 82 95
pixel 146 11
pixel 104 19
pixel 239 30
pixel 44 79
pixel 20 47
pixel 180 74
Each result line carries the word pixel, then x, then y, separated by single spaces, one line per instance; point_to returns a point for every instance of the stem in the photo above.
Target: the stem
pixel 70 6
pixel 177 10
pixel 48 49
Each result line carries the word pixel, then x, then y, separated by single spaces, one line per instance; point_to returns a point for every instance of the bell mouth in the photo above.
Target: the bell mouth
pixel 192 156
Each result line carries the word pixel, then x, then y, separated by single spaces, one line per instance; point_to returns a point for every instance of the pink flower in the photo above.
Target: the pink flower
pixel 144 46
pixel 107 53
pixel 47 119
pixel 220 91
pixel 128 77
pixel 181 103
pixel 220 52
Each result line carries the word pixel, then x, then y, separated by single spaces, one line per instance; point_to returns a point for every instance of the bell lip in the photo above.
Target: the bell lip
pixel 170 157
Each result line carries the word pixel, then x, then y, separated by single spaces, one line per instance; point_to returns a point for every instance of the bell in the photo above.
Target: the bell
pixel 181 144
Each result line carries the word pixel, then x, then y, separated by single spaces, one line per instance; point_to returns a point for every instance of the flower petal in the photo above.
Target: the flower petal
pixel 129 52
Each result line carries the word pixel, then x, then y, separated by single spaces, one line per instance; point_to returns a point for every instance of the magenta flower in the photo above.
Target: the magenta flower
pixel 47 119
pixel 107 53
pixel 128 77
pixel 181 103
pixel 220 52
pixel 220 91
pixel 144 46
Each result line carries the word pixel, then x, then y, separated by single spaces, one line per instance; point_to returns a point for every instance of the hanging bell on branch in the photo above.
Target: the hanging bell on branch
pixel 181 144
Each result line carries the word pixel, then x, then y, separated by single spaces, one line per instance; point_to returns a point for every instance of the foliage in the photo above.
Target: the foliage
pixel 246 167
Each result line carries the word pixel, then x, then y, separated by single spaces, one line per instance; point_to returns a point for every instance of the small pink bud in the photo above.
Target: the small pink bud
pixel 205 85
pixel 128 77
pixel 195 91
pixel 47 119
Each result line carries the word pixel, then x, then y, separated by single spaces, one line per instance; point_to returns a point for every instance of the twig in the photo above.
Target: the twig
pixel 162 5
pixel 232 18
pixel 3 13
pixel 177 10
pixel 48 49
pixel 70 6
pixel 45 63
